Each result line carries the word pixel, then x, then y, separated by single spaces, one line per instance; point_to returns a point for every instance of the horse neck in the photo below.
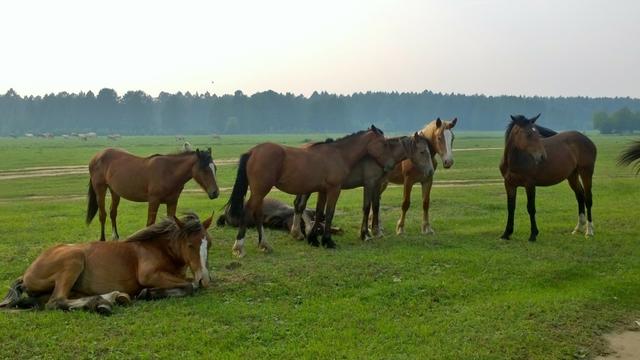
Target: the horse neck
pixel 352 151
pixel 399 149
pixel 181 166
pixel 167 246
pixel 429 132
pixel 517 160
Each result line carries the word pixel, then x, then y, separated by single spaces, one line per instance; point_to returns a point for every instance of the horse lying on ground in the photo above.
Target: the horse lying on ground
pixel 537 156
pixel 276 215
pixel 157 179
pixel 150 264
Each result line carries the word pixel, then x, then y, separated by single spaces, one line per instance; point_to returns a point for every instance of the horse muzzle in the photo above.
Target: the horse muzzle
pixel 214 194
pixel 447 163
pixel 202 279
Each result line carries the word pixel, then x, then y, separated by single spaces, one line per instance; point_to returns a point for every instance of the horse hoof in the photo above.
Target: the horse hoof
pixel 314 243
pixel 532 239
pixel 505 237
pixel 103 309
pixel 266 248
pixel 328 243
pixel 428 231
pixel 123 299
pixel 399 231
pixel 239 253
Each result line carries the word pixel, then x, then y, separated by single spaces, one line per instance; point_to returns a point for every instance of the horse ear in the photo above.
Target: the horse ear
pixel 533 120
pixel 453 123
pixel 438 122
pixel 207 222
pixel 178 222
pixel 513 118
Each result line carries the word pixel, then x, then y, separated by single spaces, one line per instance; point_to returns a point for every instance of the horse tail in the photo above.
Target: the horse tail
pixel 631 154
pixel 92 205
pixel 13 296
pixel 222 220
pixel 236 202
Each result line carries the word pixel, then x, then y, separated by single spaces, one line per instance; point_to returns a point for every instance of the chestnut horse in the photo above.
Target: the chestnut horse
pixel 440 138
pixel 321 167
pixel 367 173
pixel 157 179
pixel 150 264
pixel 536 156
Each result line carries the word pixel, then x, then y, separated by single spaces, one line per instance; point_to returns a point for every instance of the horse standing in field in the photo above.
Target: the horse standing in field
pixel 440 138
pixel 321 167
pixel 150 264
pixel 367 173
pixel 536 156
pixel 157 179
pixel 631 155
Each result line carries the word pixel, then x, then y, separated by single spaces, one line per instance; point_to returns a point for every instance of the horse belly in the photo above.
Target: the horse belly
pixel 108 268
pixel 131 188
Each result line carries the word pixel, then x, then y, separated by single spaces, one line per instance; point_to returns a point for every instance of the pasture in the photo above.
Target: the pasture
pixel 459 294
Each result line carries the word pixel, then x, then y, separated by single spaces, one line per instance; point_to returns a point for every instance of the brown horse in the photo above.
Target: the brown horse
pixel 536 156
pixel 321 167
pixel 440 138
pixel 367 173
pixel 151 264
pixel 157 179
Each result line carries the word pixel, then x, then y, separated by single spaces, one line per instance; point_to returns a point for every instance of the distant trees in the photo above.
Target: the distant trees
pixel 620 121
pixel 135 112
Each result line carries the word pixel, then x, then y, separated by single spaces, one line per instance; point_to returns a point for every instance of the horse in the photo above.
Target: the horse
pixel 276 215
pixel 630 155
pixel 157 179
pixel 150 264
pixel 320 167
pixel 537 156
pixel 367 173
pixel 440 137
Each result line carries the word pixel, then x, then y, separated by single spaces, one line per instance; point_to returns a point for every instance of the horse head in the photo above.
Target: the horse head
pixel 204 173
pixel 441 137
pixel 194 244
pixel 419 154
pixel 523 135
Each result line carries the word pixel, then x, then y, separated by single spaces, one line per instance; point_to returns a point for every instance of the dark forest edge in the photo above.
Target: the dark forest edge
pixel 137 113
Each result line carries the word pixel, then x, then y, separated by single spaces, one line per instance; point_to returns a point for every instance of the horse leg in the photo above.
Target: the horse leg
pixel 366 208
pixel 238 245
pixel 531 209
pixel 331 200
pixel 406 202
pixel 586 182
pixel 152 211
pixel 162 293
pixel 113 214
pixel 377 231
pixel 511 207
pixel 426 198
pixel 312 236
pixel 171 209
pixel 256 205
pixel 299 204
pixel 375 207
pixel 579 192
pixel 101 192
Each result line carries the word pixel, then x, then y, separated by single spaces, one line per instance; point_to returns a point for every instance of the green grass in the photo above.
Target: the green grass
pixel 461 294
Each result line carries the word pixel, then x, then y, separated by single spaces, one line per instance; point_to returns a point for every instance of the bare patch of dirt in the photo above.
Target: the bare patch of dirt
pixel 623 345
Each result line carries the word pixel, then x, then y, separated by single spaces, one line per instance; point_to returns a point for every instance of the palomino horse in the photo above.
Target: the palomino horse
pixel 321 167
pixel 536 156
pixel 157 179
pixel 370 175
pixel 151 264
pixel 440 138
pixel 630 155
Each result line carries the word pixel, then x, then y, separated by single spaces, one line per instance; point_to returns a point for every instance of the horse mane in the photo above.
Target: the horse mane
pixel 630 155
pixel 176 153
pixel 167 228
pixel 544 132
pixel 346 137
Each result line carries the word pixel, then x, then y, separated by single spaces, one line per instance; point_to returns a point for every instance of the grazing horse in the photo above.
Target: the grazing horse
pixel 440 138
pixel 630 155
pixel 321 167
pixel 370 175
pixel 536 156
pixel 157 179
pixel 150 264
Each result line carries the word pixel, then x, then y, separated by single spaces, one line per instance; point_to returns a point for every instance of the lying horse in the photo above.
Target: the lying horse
pixel 440 138
pixel 321 167
pixel 370 175
pixel 151 264
pixel 276 215
pixel 536 156
pixel 157 179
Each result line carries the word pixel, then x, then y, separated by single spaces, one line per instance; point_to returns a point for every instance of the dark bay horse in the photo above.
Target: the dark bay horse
pixel 367 173
pixel 630 155
pixel 440 137
pixel 536 156
pixel 150 264
pixel 157 179
pixel 321 167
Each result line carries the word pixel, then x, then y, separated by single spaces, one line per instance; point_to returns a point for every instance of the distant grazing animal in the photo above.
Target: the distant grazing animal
pixel 157 179
pixel 321 167
pixel 367 173
pixel 114 136
pixel 440 137
pixel 630 155
pixel 536 156
pixel 94 276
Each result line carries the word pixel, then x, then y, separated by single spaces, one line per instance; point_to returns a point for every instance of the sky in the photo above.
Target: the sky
pixel 493 47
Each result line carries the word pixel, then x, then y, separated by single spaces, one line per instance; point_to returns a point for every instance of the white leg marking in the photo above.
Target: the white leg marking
pixel 582 221
pixel 238 248
pixel 295 227
pixel 589 231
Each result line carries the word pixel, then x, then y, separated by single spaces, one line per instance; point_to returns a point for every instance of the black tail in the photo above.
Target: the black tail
pixel 631 154
pixel 13 296
pixel 92 206
pixel 222 221
pixel 236 202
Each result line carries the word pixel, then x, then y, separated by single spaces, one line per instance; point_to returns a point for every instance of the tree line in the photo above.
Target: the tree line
pixel 136 112
pixel 618 122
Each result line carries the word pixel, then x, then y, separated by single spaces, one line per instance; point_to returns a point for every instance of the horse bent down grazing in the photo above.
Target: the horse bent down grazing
pixel 151 264
pixel 536 156
pixel 157 179
pixel 321 167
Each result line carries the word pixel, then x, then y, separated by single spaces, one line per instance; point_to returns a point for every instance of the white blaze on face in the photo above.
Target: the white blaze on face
pixel 213 170
pixel 448 137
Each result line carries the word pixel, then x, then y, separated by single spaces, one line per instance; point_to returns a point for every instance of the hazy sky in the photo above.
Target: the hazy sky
pixel 573 47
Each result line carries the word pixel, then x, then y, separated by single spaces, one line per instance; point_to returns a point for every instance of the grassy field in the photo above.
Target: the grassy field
pixel 460 294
